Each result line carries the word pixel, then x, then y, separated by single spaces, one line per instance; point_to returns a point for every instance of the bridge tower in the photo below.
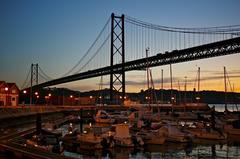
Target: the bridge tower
pixel 117 77
pixel 34 79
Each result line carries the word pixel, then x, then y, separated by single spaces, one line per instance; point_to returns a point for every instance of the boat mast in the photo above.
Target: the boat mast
pixel 100 91
pixel 198 79
pixel 225 87
pixel 171 81
pixel 185 90
pixel 148 97
pixel 179 92
pixel 153 87
pixel 235 97
pixel 162 88
pixel 198 93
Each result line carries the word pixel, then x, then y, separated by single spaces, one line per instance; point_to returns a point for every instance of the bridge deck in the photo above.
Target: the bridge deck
pixel 220 48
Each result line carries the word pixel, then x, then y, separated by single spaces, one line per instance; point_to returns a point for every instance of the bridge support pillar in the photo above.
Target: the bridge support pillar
pixel 117 77
pixel 34 80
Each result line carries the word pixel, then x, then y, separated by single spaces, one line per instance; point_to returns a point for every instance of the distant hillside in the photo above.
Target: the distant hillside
pixel 211 97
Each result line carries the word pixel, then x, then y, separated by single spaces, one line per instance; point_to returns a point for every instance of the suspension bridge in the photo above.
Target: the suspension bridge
pixel 120 46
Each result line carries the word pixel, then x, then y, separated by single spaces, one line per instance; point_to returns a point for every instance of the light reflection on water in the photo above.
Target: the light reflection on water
pixel 169 150
pixel 221 107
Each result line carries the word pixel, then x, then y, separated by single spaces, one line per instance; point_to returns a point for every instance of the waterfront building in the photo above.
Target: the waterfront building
pixel 9 94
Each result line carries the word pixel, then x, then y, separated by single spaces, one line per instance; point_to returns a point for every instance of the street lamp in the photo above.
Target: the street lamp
pixel 71 98
pixel 197 98
pixel 100 100
pixel 24 96
pixel 7 96
pixel 37 96
pixel 49 98
pixel 173 99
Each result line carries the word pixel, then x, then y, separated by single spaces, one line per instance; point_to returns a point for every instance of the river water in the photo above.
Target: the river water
pixel 221 107
pixel 169 150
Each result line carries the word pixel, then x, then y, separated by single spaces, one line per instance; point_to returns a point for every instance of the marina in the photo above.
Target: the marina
pixel 81 138
pixel 119 79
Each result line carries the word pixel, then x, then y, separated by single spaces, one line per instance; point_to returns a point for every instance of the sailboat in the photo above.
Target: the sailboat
pixel 232 126
pixel 198 105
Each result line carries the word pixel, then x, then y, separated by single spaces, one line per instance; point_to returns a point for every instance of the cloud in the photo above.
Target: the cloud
pixel 232 72
pixel 229 72
pixel 136 76
pixel 175 79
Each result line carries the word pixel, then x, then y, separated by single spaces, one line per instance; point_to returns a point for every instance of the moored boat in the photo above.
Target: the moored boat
pixel 122 136
pixel 95 138
pixel 103 117
pixel 208 134
pixel 232 128
pixel 151 137
pixel 50 128
pixel 174 134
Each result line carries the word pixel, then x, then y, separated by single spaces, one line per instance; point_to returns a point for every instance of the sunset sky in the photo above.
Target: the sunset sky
pixel 56 34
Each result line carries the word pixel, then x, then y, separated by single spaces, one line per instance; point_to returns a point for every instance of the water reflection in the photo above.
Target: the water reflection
pixel 168 150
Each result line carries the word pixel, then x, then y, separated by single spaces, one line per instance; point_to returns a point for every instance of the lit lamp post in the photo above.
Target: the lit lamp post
pixel 100 100
pixel 147 100
pixel 71 98
pixel 7 96
pixel 120 101
pixel 49 98
pixel 24 95
pixel 90 102
pixel 173 100
pixel 37 96
pixel 124 98
pixel 197 99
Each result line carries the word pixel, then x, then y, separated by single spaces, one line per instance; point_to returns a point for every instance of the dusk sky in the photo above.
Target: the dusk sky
pixel 56 34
